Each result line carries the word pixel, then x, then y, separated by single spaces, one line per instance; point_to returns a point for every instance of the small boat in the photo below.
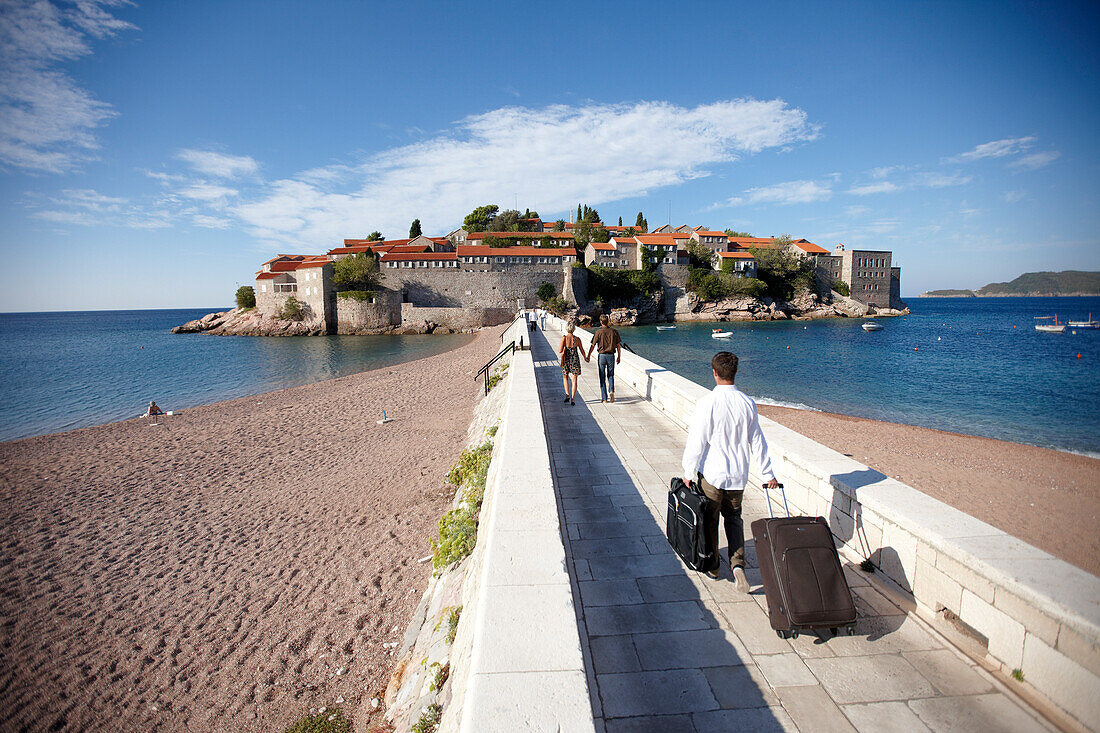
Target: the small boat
pixel 1089 324
pixel 666 328
pixel 721 334
pixel 872 326
pixel 1055 327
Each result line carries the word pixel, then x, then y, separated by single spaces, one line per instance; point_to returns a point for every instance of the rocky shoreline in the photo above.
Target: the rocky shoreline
pixel 807 306
pixel 250 322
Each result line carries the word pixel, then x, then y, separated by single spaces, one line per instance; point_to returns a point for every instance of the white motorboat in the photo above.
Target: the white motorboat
pixel 721 334
pixel 1087 325
pixel 666 328
pixel 872 326
pixel 1055 327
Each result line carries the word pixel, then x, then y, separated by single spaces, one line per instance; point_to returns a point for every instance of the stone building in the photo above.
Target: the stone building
pixel 744 264
pixel 869 274
pixel 308 278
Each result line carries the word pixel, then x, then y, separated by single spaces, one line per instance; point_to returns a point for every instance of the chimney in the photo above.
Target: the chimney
pixel 839 250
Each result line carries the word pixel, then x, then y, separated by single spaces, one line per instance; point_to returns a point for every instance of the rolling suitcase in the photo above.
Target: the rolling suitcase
pixel 803 581
pixel 684 526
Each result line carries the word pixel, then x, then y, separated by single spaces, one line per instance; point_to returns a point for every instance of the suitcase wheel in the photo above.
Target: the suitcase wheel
pixel 783 634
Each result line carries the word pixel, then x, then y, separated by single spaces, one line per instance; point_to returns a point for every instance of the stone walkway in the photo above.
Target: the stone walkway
pixel 668 649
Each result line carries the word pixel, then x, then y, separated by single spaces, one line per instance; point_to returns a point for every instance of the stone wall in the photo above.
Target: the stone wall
pixel 472 289
pixel 353 316
pixel 575 289
pixel 459 318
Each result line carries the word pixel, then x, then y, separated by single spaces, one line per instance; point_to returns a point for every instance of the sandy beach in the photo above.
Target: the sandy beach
pixel 248 560
pixel 1047 498
pixel 234 567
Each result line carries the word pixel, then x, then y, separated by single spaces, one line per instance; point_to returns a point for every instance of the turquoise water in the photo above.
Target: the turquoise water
pixel 979 367
pixel 68 370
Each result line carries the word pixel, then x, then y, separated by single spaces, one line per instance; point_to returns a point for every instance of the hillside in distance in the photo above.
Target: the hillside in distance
pixel 1067 282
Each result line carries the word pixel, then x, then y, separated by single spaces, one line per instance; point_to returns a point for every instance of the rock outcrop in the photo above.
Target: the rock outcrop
pixel 250 322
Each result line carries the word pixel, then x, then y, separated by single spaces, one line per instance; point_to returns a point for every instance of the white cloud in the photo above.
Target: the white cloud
pixel 871 188
pixel 85 207
pixel 1036 160
pixel 48 122
pixel 856 210
pixel 942 180
pixel 884 170
pixel 996 149
pixel 788 192
pixel 207 192
pixel 219 165
pixel 1013 197
pixel 549 158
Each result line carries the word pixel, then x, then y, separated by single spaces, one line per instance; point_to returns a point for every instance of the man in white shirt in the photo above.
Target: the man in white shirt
pixel 724 430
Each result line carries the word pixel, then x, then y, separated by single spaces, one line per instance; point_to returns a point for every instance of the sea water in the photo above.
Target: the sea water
pixel 966 365
pixel 61 371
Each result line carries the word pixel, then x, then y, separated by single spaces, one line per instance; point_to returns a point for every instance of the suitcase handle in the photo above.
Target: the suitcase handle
pixel 768 496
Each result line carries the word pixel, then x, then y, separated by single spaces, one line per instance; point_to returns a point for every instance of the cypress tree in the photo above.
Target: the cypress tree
pixel 414 229
pixel 620 221
pixel 639 222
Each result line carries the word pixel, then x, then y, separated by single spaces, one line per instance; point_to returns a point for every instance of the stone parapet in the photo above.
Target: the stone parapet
pixel 526 667
pixel 1031 611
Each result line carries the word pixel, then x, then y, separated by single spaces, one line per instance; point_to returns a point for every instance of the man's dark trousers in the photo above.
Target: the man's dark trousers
pixel 728 504
pixel 605 364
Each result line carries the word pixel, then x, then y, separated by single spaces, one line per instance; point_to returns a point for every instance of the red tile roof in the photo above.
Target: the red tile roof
pixel 707 233
pixel 417 256
pixel 266 275
pixel 736 255
pixel 656 239
pixel 807 246
pixel 483 250
pixel 519 235
pixel 603 247
pixel 746 242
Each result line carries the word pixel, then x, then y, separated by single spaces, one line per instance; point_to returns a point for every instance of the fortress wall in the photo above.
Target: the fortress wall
pixel 458 318
pixel 1040 614
pixel 449 288
pixel 353 316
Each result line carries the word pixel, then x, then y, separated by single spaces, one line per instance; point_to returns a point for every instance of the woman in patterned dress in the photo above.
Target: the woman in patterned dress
pixel 570 351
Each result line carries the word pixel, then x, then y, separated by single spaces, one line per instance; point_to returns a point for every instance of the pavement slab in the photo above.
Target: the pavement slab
pixel 673 650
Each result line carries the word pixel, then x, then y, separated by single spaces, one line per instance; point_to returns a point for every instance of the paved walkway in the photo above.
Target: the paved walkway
pixel 669 650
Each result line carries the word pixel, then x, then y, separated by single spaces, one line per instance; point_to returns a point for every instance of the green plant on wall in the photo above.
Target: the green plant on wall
pixel 292 310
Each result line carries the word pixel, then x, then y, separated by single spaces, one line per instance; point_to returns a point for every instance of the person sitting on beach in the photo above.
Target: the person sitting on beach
pixel 154 411
pixel 724 431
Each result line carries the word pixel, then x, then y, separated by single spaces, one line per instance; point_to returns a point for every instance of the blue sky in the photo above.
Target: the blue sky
pixel 153 154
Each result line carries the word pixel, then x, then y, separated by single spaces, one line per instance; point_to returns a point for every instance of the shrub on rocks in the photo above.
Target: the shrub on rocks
pixel 246 297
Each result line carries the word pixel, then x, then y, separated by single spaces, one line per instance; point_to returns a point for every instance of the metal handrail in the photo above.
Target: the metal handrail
pixel 509 349
pixel 627 347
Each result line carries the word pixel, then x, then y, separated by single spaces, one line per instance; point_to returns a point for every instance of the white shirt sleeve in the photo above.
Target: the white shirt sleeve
pixel 698 439
pixel 760 447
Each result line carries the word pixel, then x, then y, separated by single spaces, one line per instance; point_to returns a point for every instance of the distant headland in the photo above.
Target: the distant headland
pixel 1031 284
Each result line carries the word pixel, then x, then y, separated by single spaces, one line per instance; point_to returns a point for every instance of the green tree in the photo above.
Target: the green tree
pixel 591 215
pixel 650 258
pixel 414 229
pixel 357 272
pixel 559 225
pixel 582 234
pixel 699 255
pixel 620 221
pixel 546 291
pixel 246 297
pixel 481 218
pixel 784 272
pixel 292 310
pixel 580 216
pixel 640 223
pixel 507 221
pixel 600 235
pixel 732 233
pixel 842 287
pixel 375 236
